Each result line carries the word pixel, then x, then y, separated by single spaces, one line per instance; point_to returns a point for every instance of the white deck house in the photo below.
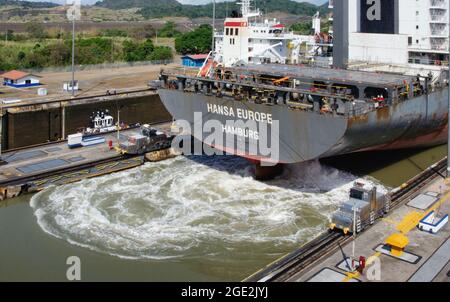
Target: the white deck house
pixel 20 79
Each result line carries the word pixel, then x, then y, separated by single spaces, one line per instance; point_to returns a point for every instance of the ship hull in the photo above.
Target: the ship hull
pixel 303 136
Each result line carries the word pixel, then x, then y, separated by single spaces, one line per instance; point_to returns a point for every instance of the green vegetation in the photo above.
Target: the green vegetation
pixel 168 31
pixel 36 30
pixel 302 28
pixel 114 32
pixel 135 51
pixel 196 41
pixel 305 28
pixel 166 8
pixel 28 4
pixel 161 53
pixel 95 50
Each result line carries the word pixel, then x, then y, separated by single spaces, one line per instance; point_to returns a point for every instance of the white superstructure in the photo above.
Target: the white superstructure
pixel 249 39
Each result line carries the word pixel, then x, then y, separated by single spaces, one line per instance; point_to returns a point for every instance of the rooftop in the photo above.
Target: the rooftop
pixel 197 57
pixel 340 76
pixel 15 74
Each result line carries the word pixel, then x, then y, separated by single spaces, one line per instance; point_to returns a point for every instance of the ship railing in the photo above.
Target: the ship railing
pixel 354 107
pixel 181 71
pixel 361 107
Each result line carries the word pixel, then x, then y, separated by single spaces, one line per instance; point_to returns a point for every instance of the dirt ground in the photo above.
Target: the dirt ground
pixel 90 81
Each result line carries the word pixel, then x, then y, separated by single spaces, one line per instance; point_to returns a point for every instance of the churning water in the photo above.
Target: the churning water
pixel 207 210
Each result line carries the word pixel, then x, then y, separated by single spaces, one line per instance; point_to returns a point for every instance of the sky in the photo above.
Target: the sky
pixel 181 1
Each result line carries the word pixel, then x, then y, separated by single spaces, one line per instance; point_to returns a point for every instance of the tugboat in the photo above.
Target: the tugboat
pixel 101 122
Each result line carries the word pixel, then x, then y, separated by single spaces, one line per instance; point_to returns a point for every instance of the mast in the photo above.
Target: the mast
pixel 246 9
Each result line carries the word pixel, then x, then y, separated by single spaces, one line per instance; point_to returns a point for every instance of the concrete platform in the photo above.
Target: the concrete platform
pixel 430 269
pixel 329 275
pixel 423 201
pixel 44 159
pixel 422 244
pixel 47 158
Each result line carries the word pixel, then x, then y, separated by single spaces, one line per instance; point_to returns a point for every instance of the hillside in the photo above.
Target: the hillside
pixel 165 8
pixel 28 4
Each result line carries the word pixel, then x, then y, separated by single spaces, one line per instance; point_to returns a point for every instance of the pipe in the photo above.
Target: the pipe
pixel 448 120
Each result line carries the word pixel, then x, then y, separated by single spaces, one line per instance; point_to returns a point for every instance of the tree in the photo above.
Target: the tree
pixel 196 41
pixel 114 32
pixel 8 35
pixel 146 48
pixel 161 53
pixel 58 54
pixel 135 51
pixel 21 56
pixel 303 28
pixel 92 50
pixel 35 30
pixel 168 30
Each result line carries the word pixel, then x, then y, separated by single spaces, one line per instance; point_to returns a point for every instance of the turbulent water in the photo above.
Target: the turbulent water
pixel 208 210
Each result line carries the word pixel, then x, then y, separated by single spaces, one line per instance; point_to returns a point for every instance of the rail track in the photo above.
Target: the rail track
pixel 286 267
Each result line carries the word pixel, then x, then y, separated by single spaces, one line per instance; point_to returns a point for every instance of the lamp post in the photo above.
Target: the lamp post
pixel 73 13
pixel 448 120
pixel 73 56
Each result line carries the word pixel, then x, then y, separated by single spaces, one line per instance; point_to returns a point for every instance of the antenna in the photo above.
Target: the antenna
pixel 246 9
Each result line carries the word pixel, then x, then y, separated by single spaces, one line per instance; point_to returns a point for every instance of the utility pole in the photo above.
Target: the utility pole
pixel 73 56
pixel 73 13
pixel 112 49
pixel 118 124
pixel 448 120
pixel 354 230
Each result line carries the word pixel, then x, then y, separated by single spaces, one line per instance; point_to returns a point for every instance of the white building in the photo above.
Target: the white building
pixel 419 33
pixel 20 79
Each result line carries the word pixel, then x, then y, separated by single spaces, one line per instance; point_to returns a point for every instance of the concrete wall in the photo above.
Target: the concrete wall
pixel 341 33
pixel 372 48
pixel 31 128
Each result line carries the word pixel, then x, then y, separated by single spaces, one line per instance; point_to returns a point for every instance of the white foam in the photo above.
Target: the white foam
pixel 192 207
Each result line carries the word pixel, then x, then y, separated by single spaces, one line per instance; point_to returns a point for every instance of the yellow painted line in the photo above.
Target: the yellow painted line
pixel 412 219
pixel 351 275
pixel 409 222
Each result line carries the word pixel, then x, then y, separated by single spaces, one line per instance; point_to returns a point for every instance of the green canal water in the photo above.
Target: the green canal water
pixel 186 219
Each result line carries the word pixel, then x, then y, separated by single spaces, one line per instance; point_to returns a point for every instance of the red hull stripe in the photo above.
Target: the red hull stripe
pixel 252 158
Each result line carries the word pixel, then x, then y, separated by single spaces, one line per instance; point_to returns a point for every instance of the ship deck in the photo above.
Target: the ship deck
pixel 327 74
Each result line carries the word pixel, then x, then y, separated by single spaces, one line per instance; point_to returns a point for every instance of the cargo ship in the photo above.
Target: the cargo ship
pixel 310 112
